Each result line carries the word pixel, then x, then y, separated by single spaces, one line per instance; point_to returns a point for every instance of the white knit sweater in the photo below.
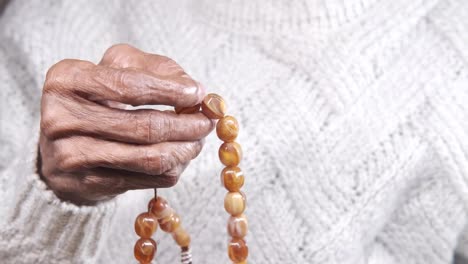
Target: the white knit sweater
pixel 354 117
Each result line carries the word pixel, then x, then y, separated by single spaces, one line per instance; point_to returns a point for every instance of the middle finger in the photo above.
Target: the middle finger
pixel 143 126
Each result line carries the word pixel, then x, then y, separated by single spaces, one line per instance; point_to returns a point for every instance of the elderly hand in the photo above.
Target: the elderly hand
pixel 90 151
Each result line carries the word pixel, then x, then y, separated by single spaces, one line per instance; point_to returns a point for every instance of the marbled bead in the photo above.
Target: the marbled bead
pixel 232 178
pixel 150 205
pixel 160 208
pixel 237 226
pixel 238 250
pixel 181 237
pixel 234 203
pixel 169 223
pixel 146 224
pixel 213 106
pixel 187 110
pixel 227 129
pixel 230 153
pixel 144 250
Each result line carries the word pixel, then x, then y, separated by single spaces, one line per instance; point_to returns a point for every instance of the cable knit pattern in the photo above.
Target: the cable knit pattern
pixel 354 122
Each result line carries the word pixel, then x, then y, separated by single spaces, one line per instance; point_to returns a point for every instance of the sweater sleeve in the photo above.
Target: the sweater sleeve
pixel 462 249
pixel 35 226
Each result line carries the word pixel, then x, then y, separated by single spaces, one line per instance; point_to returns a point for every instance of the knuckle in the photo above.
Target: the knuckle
pixel 60 74
pixel 165 128
pixel 156 128
pixel 117 52
pixel 56 121
pixel 56 74
pixel 141 126
pixel 66 159
pixel 59 68
pixel 118 49
pixel 48 123
pixel 118 79
pixel 154 162
pixel 52 124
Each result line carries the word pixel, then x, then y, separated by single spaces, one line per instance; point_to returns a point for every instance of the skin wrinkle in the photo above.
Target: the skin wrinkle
pixel 162 160
pixel 170 127
pixel 88 147
pixel 150 127
pixel 159 131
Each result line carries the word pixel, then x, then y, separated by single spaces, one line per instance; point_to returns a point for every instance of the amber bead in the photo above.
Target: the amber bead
pixel 230 153
pixel 160 208
pixel 187 110
pixel 227 129
pixel 232 178
pixel 213 106
pixel 234 203
pixel 238 226
pixel 169 223
pixel 144 250
pixel 145 225
pixel 181 237
pixel 238 250
pixel 150 204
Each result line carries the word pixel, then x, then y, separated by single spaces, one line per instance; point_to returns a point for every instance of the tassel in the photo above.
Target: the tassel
pixel 186 256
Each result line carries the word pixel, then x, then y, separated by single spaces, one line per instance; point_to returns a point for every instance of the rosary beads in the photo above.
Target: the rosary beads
pixel 161 214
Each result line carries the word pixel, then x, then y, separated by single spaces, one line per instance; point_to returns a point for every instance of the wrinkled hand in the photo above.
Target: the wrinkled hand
pixel 91 149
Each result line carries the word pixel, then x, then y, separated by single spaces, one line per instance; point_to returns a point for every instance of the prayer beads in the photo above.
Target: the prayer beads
pixel 234 203
pixel 169 224
pixel 160 213
pixel 169 221
pixel 237 226
pixel 213 106
pixel 232 178
pixel 144 250
pixel 145 225
pixel 181 237
pixel 227 129
pixel 238 250
pixel 230 154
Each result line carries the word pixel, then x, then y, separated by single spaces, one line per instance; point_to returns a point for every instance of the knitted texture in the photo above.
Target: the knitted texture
pixel 353 116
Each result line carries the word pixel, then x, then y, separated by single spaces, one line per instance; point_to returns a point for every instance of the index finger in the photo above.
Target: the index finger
pixel 127 56
pixel 129 86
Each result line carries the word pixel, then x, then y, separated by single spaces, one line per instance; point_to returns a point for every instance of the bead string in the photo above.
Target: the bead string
pixel 160 213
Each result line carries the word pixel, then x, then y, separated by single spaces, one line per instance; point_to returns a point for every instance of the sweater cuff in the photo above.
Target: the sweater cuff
pixel 41 228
